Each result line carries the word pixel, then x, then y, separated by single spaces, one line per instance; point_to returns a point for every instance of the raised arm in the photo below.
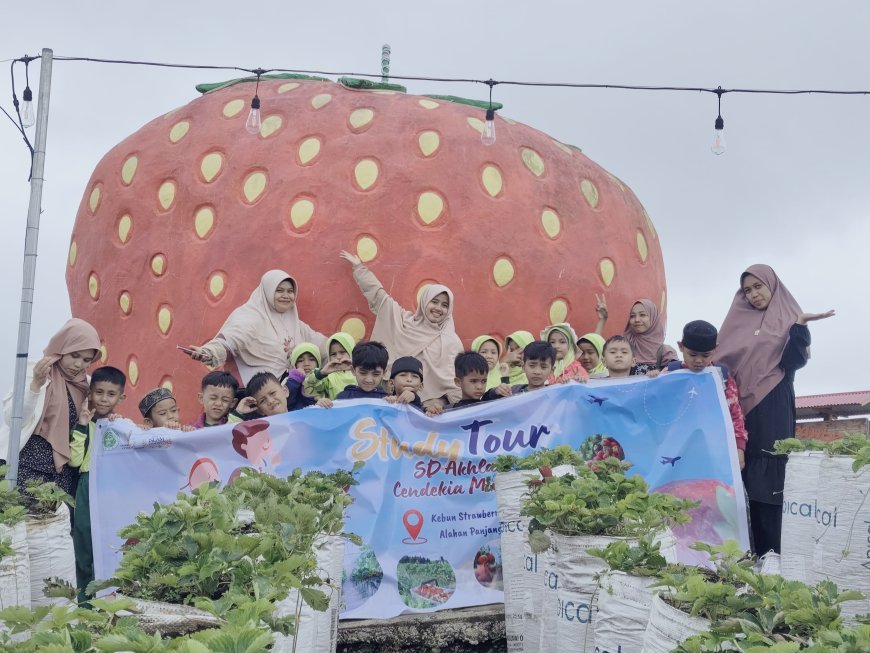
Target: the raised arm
pixel 368 283
pixel 601 310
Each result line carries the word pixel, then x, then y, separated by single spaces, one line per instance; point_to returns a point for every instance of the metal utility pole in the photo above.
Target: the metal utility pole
pixel 28 281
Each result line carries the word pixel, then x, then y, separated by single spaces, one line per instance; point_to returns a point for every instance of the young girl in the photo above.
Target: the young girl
pixel 58 388
pixel 336 375
pixel 590 353
pixel 491 350
pixel 515 343
pixel 646 334
pixel 562 338
pixel 304 359
pixel 428 334
pixel 763 342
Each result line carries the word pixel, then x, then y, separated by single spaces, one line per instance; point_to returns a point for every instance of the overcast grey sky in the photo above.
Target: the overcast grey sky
pixel 792 190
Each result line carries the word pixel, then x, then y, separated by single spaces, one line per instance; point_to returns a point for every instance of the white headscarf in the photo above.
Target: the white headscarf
pixel 259 337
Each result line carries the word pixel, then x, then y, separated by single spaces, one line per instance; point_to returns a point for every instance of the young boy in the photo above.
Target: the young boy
pixel 105 393
pixel 618 357
pixel 698 347
pixel 304 359
pixel 369 361
pixel 406 381
pixel 336 375
pixel 471 375
pixel 539 357
pixel 159 409
pixel 217 396
pixel 266 397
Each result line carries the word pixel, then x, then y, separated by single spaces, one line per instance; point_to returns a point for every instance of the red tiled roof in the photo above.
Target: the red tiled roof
pixel 860 398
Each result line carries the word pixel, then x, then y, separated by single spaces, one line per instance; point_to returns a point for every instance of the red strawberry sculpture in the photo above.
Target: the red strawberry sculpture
pixel 179 221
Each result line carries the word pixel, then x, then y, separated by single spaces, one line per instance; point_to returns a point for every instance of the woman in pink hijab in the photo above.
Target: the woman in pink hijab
pixel 646 333
pixel 428 334
pixel 261 333
pixel 57 390
pixel 763 342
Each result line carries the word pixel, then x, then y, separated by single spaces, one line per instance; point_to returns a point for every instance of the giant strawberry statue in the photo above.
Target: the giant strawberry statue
pixel 180 220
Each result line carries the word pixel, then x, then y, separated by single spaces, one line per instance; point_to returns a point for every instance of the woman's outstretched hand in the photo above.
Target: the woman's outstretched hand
pixel 812 317
pixel 353 259
pixel 198 354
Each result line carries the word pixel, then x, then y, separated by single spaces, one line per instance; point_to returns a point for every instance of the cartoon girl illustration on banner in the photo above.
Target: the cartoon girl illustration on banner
pixel 252 440
pixel 203 470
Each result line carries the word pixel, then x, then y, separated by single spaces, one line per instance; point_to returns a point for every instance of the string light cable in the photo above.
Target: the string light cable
pixel 489 128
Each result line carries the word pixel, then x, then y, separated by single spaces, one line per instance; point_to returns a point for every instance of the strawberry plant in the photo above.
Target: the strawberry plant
pixel 546 458
pixel 196 550
pixel 43 499
pixel 599 500
pixel 854 445
pixel 643 558
pixel 11 510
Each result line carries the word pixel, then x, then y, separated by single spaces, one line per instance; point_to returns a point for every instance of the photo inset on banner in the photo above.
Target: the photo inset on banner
pixel 425 582
pixel 601 446
pixel 361 576
pixel 487 566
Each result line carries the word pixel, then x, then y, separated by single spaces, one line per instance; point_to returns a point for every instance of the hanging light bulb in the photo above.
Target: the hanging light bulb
pixel 28 118
pixel 487 136
pixel 718 146
pixel 253 123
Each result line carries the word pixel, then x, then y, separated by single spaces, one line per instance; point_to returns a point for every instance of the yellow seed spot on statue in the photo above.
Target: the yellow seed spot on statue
pixel 203 222
pixel 255 185
pixel 125 302
pixel 430 206
pixel 649 224
pixel 233 108
pixel 308 150
pixel 533 161
pixel 289 86
pixel 428 104
pixel 167 383
pixel 558 311
pixel 492 181
pixel 211 165
pixel 128 170
pixel 158 264
pixel 166 194
pixel 551 224
pixel 366 249
pixel 607 269
pixel 133 370
pixel 664 305
pixel 476 124
pixel 641 247
pixel 503 272
pixel 301 212
pixel 94 285
pixel 508 120
pixel 124 226
pixel 94 199
pixel 429 142
pixel 422 289
pixel 616 181
pixel 270 125
pixel 360 118
pixel 355 327
pixel 179 130
pixel 563 147
pixel 216 285
pixel 381 91
pixel 366 173
pixel 104 352
pixel 73 253
pixel 590 192
pixel 164 319
pixel 320 101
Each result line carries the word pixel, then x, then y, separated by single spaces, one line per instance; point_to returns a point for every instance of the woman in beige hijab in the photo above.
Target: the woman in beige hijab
pixel 261 333
pixel 428 334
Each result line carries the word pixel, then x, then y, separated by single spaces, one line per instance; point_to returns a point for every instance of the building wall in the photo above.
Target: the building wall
pixel 832 429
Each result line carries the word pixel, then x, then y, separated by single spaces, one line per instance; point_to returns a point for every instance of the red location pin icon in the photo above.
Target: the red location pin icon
pixel 413 521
